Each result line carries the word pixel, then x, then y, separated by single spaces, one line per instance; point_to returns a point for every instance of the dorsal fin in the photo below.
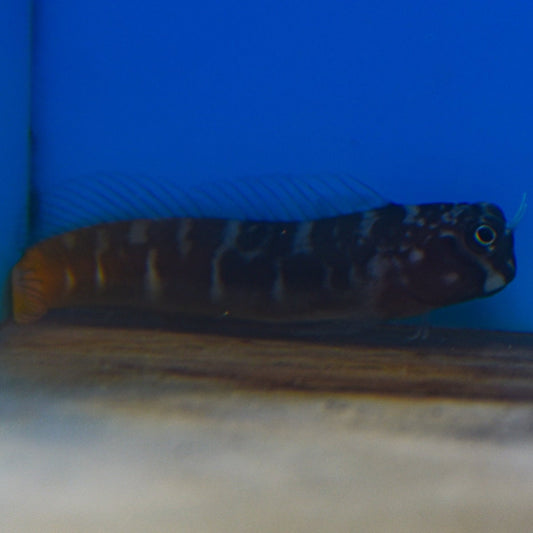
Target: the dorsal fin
pixel 284 197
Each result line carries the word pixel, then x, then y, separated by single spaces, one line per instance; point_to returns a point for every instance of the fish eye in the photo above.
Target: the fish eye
pixel 485 235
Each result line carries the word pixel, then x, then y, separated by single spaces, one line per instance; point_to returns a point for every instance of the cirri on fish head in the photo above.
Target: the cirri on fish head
pixel 387 262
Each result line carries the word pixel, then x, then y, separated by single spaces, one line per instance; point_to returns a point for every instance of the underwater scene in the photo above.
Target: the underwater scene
pixel 266 266
pixel 377 92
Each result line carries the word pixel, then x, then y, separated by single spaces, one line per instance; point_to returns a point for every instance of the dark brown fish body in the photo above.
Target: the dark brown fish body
pixel 388 262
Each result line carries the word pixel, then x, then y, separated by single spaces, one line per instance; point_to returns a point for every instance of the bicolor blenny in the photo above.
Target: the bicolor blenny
pixel 381 263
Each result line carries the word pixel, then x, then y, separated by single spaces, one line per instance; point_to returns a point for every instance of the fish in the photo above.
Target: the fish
pixel 387 262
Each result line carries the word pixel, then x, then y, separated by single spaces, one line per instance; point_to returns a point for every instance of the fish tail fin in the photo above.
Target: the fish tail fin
pixel 29 299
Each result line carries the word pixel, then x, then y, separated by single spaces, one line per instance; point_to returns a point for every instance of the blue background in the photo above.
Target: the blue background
pixel 14 138
pixel 424 101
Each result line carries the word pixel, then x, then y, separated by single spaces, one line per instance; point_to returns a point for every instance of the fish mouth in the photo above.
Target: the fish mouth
pixel 498 279
pixel 494 282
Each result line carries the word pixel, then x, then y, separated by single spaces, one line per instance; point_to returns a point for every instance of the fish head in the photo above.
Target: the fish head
pixel 490 240
pixel 450 253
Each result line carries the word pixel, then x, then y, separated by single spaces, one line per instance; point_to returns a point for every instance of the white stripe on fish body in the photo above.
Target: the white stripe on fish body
pixel 138 233
pixel 102 246
pixel 302 238
pixel 100 274
pixel 231 233
pixel 184 227
pixel 70 280
pixel 152 281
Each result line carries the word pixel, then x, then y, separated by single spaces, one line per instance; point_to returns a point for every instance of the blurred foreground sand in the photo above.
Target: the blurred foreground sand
pixel 118 430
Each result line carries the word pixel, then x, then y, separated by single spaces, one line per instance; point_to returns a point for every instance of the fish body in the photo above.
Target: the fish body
pixel 389 262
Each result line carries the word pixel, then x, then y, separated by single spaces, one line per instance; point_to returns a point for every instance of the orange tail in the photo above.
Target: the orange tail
pixel 31 282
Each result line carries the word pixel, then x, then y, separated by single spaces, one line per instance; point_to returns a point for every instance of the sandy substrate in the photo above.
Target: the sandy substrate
pixel 128 429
